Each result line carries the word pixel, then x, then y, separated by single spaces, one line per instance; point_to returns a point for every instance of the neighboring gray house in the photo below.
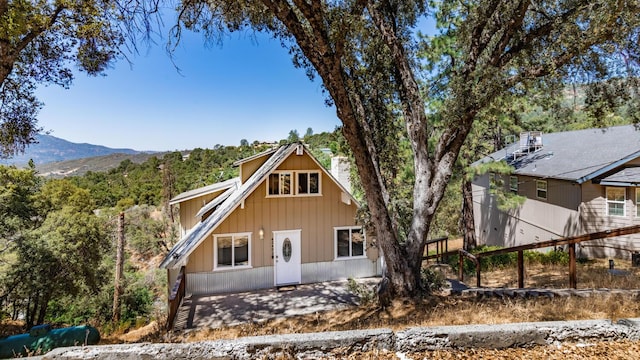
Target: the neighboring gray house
pixel 575 182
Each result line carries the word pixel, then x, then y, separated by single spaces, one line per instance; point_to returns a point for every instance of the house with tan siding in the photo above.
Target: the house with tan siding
pixel 284 221
pixel 574 182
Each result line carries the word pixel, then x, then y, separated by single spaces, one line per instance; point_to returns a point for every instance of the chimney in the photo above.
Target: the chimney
pixel 340 169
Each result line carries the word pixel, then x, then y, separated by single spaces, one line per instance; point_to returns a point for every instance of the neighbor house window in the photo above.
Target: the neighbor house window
pixel 280 183
pixel 349 242
pixel 308 182
pixel 232 250
pixel 638 202
pixel 513 183
pixel 615 201
pixel 541 189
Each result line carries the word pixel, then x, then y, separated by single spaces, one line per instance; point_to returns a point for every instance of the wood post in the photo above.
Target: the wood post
pixel 521 269
pixel 117 288
pixel 460 267
pixel 573 278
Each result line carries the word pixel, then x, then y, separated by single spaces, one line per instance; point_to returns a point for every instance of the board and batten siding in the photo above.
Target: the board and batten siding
pixel 316 216
pixel 189 209
pixel 249 167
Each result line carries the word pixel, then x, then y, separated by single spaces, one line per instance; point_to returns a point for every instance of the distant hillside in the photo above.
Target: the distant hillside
pixel 79 167
pixel 52 149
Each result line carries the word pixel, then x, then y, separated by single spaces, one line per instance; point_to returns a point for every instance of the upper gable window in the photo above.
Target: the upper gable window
pixel 616 198
pixel 279 183
pixel 308 182
pixel 294 183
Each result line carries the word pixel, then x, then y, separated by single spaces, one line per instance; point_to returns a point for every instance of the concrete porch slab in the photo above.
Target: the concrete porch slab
pixel 214 311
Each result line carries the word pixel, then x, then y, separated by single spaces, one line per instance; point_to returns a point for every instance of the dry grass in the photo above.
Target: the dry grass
pixel 593 274
pixel 437 310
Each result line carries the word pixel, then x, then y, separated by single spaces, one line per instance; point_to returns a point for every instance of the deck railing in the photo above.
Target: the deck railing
pixel 442 249
pixel 569 241
pixel 175 297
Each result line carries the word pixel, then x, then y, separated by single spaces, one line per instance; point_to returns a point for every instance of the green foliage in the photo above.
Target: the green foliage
pixel 293 136
pixel 148 231
pixel 366 294
pixel 432 280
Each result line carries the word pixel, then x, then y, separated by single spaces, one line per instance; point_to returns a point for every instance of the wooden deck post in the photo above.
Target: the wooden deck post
pixel 460 267
pixel 573 279
pixel 520 269
pixel 478 273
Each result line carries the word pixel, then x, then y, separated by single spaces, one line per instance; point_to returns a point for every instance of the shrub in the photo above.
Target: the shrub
pixel 431 280
pixel 366 294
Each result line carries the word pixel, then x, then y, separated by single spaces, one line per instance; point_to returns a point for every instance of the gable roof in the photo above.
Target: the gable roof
pixel 229 201
pixel 192 194
pixel 579 156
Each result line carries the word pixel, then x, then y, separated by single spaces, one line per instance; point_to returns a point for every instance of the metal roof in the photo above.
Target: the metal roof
pixel 258 155
pixel 578 156
pixel 192 194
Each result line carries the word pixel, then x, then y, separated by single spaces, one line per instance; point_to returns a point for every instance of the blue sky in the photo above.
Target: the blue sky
pixel 247 88
pixel 244 89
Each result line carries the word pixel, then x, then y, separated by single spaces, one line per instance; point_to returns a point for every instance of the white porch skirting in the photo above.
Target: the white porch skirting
pixel 263 277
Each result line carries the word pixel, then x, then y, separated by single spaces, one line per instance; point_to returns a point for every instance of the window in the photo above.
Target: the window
pixel 232 251
pixel 615 201
pixel 513 183
pixel 638 202
pixel 280 183
pixel 541 189
pixel 350 242
pixel 308 183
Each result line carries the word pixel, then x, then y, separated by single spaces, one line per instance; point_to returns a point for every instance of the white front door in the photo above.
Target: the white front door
pixel 288 268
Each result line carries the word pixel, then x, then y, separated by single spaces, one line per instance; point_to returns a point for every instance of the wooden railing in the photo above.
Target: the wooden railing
pixel 442 249
pixel 175 297
pixel 570 241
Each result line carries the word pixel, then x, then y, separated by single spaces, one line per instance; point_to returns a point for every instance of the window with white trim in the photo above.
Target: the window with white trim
pixel 513 184
pixel 232 251
pixel 279 183
pixel 541 189
pixel 638 202
pixel 308 182
pixel 616 198
pixel 349 242
pixel 294 183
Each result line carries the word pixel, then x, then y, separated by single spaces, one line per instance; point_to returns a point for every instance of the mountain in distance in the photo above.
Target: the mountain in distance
pixel 52 149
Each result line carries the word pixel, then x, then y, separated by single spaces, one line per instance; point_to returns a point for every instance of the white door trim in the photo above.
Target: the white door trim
pixel 293 269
